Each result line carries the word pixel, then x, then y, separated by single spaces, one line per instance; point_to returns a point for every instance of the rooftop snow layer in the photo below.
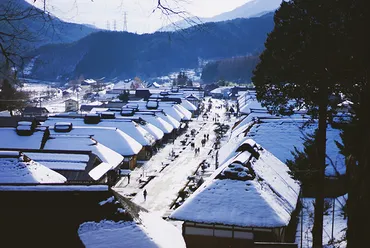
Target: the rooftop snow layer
pixel 153 232
pixel 158 122
pixel 188 105
pixel 12 170
pixel 111 137
pixel 10 139
pixel 78 143
pixel 175 124
pixel 281 136
pixel 130 128
pixel 244 203
pixel 187 114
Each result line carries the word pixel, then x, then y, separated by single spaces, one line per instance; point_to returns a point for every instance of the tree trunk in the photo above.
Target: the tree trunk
pixel 358 203
pixel 317 230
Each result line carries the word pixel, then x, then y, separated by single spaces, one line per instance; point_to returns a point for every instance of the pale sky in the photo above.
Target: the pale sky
pixel 140 16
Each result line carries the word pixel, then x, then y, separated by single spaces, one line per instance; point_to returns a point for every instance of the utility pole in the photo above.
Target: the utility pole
pixel 114 25
pixel 125 21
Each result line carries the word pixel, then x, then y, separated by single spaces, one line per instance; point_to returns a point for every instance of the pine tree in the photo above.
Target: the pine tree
pixel 303 165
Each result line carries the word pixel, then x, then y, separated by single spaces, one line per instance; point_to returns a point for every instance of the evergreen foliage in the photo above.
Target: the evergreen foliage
pixel 238 69
pixel 302 166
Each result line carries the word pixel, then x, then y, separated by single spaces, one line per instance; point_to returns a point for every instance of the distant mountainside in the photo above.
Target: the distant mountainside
pixel 44 29
pixel 123 55
pixel 254 8
pixel 237 69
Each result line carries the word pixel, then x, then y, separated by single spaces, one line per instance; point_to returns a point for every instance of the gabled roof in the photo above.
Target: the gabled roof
pixel 187 114
pixel 188 105
pixel 132 129
pixel 158 122
pixel 192 97
pixel 260 194
pixel 156 132
pixel 175 124
pixel 110 137
pixel 21 170
pixel 83 143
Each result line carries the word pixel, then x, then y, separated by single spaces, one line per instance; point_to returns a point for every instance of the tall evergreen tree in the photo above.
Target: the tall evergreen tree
pixel 295 72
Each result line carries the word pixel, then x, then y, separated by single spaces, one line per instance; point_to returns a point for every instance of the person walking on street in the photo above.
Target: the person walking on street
pixel 145 194
pixel 128 179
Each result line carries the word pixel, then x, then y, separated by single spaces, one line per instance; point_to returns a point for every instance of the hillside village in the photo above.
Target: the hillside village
pixel 173 124
pixel 196 157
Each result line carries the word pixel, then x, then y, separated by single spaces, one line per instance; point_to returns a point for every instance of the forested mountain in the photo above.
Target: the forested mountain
pixel 238 69
pixel 38 28
pixel 122 54
pixel 253 8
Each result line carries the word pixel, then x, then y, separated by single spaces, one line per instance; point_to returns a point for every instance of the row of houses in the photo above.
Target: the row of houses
pixel 56 173
pixel 40 209
pixel 251 200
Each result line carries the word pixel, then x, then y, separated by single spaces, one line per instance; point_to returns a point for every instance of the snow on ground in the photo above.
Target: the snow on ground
pixel 163 189
pixel 338 229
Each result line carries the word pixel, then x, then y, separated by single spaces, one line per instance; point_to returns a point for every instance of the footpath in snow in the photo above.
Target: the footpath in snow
pixel 170 174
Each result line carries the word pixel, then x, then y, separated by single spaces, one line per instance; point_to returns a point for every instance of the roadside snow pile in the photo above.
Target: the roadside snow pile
pixel 338 230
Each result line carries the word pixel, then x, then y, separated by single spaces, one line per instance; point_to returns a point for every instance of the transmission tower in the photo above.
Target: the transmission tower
pixel 114 25
pixel 108 25
pixel 125 21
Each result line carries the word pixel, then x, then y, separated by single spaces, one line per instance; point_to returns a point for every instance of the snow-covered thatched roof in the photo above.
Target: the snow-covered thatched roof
pixel 110 137
pixel 245 191
pixel 128 127
pixel 17 170
pixel 10 139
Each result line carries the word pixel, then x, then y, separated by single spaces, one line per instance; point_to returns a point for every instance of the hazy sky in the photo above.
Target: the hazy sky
pixel 140 16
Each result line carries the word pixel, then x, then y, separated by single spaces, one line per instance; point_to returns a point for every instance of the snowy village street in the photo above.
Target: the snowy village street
pixel 170 173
